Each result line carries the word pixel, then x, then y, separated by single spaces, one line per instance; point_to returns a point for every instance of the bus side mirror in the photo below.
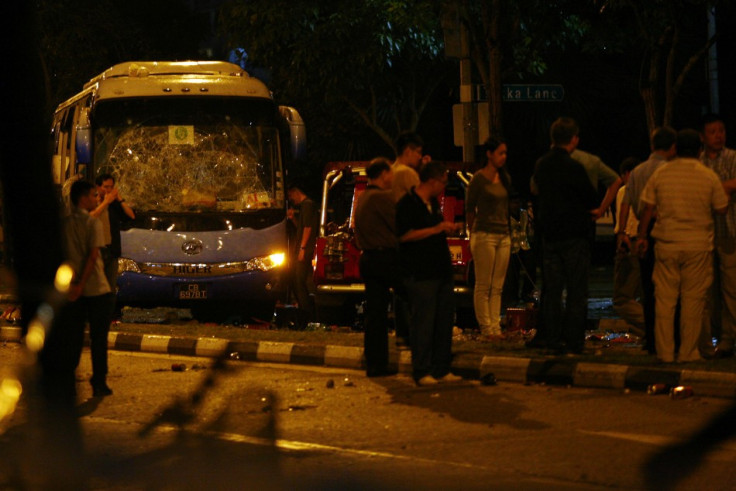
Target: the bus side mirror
pixel 84 137
pixel 297 131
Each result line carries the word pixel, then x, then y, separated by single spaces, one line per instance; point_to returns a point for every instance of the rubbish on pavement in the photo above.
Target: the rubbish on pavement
pixel 681 392
pixel 657 389
pixel 178 367
pixel 330 384
pixel 158 315
pixel 488 379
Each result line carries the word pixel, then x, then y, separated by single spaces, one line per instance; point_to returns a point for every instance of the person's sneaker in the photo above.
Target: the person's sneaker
pixel 449 377
pixel 427 380
pixel 101 390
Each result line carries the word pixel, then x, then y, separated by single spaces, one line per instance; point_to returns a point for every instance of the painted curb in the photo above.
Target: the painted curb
pixel 565 372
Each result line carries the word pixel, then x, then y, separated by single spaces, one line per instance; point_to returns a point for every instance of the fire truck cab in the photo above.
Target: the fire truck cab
pixel 339 287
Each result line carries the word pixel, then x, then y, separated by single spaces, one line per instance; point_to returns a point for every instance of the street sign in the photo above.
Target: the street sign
pixel 533 93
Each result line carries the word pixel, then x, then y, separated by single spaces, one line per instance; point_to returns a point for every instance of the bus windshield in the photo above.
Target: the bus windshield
pixel 191 154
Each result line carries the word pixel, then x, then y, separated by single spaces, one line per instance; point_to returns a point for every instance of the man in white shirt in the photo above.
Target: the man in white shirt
pixel 686 194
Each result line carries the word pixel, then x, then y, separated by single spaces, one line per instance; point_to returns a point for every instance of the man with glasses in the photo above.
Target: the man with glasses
pixel 425 257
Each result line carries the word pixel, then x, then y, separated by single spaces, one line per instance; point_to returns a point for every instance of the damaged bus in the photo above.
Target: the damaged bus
pixel 199 149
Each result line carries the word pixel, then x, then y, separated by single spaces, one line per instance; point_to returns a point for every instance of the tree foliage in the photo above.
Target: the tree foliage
pixel 80 38
pixel 349 66
pixel 671 40
pixel 512 41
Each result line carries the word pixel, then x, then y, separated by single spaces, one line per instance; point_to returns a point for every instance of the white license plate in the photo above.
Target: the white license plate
pixel 193 291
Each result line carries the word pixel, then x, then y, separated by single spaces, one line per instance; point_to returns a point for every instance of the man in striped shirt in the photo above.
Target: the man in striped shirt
pixel 685 194
pixel 723 161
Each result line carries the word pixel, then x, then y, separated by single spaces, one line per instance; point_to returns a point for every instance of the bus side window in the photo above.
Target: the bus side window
pixel 62 143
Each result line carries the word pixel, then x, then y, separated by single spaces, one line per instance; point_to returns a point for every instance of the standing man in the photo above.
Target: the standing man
pixel 626 276
pixel 112 210
pixel 685 193
pixel 723 161
pixel 425 256
pixel 599 175
pixel 409 159
pixel 567 205
pixel 90 291
pixel 375 234
pixel 663 149
pixel 307 224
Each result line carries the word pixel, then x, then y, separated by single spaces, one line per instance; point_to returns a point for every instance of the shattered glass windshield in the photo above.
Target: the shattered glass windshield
pixel 194 154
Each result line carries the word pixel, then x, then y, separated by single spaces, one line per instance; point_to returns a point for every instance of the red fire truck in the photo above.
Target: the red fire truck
pixel 339 287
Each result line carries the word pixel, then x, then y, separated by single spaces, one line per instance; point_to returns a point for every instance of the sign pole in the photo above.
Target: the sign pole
pixel 470 118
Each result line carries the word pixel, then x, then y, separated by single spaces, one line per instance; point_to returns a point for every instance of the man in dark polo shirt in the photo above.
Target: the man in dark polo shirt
pixel 375 233
pixel 567 201
pixel 425 256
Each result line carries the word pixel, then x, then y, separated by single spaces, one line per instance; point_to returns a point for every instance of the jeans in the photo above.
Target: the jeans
pixel 433 309
pixel 491 253
pixel 721 305
pixel 627 289
pixel 98 310
pixel 303 284
pixel 565 266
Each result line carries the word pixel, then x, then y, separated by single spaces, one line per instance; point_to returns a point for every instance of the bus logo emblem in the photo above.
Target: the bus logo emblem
pixel 192 247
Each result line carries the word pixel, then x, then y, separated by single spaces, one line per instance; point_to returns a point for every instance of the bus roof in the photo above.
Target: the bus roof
pixel 173 78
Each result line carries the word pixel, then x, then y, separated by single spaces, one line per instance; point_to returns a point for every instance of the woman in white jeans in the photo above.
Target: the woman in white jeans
pixel 487 214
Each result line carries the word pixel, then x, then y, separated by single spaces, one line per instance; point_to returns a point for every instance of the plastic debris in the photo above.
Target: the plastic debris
pixel 12 315
pixel 348 383
pixel 488 379
pixel 234 355
pixel 657 389
pixel 681 392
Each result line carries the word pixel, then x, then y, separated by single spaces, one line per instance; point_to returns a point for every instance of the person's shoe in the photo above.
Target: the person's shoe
pixel 449 377
pixel 101 390
pixel 427 381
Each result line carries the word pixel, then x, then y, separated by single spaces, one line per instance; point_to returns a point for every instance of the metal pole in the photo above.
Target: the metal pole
pixel 713 63
pixel 470 117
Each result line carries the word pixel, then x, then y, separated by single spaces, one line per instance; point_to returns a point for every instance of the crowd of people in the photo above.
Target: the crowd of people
pixel 675 265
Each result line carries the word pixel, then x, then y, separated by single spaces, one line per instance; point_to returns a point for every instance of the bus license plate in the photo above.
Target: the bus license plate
pixel 193 291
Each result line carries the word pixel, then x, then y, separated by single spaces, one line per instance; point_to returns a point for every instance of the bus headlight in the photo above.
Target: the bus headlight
pixel 265 263
pixel 125 264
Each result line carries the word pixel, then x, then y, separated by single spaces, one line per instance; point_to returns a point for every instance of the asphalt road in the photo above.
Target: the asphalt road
pixel 259 426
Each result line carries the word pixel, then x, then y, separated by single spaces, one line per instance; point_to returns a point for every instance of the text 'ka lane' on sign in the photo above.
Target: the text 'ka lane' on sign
pixel 533 93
